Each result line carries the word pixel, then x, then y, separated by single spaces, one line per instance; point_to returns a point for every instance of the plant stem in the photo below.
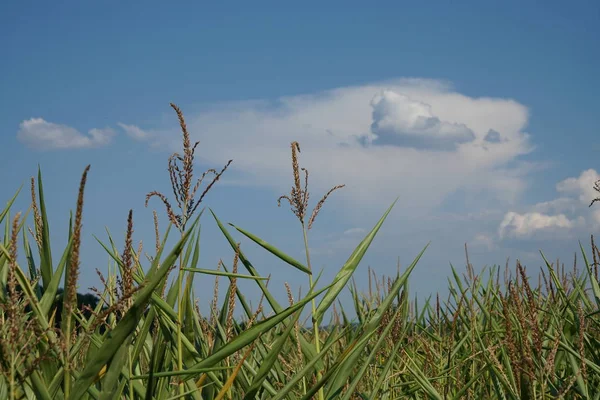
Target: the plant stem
pixel 13 395
pixel 129 384
pixel 179 322
pixel 66 367
pixel 314 306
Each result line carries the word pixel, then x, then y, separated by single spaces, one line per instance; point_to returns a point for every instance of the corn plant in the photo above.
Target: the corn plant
pixel 494 336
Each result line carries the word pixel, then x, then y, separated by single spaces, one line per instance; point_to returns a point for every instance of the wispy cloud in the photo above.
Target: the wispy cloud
pixel 483 240
pixel 135 132
pixel 43 135
pixel 354 231
pixel 338 242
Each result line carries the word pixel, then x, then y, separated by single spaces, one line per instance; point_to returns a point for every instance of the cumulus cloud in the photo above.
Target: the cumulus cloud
pixel 525 225
pixel 135 132
pixel 581 186
pixel 40 134
pixel 567 211
pixel 332 127
pixel 402 121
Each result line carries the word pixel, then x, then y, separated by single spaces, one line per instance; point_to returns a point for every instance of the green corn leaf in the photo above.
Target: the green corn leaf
pixel 248 336
pixel 270 299
pixel 268 362
pixel 126 326
pixel 221 273
pixel 286 390
pixel 51 289
pixel 39 387
pixel 423 381
pixel 9 204
pixel 110 382
pixel 348 269
pixel 367 361
pixel 275 251
pixel 45 251
pixel 593 281
pixel 308 349
pixel 370 328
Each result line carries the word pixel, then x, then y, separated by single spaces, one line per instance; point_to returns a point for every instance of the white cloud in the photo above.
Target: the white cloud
pixel 40 134
pixel 135 132
pixel 568 212
pixel 354 231
pixel 333 125
pixel 402 121
pixel 558 205
pixel 483 240
pixel 582 186
pixel 337 242
pixel 525 225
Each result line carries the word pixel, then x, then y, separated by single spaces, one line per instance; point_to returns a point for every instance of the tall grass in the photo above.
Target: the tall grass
pixel 496 335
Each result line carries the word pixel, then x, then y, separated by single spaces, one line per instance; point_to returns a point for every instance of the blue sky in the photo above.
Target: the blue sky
pixel 482 118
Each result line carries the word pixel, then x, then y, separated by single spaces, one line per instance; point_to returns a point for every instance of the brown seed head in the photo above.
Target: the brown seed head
pixel 36 215
pixel 181 173
pixel 232 293
pixel 320 204
pixel 581 341
pixel 298 197
pixel 214 310
pixel 259 310
pixel 71 289
pixel 531 310
pixel 127 281
pixel 12 283
pixel 295 151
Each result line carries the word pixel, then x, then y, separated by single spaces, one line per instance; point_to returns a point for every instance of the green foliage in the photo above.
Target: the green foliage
pixel 142 337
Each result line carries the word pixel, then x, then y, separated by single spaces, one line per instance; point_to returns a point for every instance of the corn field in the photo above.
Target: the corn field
pixel 499 334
